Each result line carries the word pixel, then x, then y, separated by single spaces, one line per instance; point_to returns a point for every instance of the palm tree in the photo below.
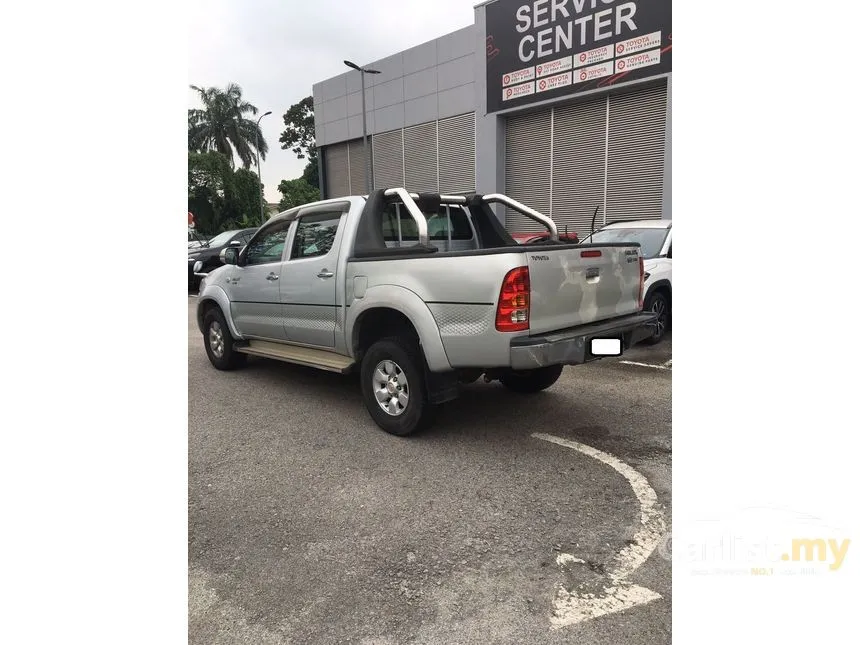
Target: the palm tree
pixel 221 125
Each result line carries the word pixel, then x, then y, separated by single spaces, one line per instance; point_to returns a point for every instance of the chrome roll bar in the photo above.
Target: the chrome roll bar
pixel 524 210
pixel 408 200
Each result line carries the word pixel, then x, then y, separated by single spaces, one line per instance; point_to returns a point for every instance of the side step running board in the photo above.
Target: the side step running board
pixel 318 358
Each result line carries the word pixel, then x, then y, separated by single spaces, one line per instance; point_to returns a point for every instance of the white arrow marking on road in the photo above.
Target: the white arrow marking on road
pixel 573 607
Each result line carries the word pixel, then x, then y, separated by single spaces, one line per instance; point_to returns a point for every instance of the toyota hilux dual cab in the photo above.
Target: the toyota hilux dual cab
pixel 420 293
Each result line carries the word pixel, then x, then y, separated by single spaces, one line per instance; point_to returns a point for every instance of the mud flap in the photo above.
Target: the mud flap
pixel 441 386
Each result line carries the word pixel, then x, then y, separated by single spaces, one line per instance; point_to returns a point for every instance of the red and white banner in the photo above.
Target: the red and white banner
pixel 593 56
pixel 553 67
pixel 512 78
pixel 638 44
pixel 593 72
pixel 517 91
pixel 637 61
pixel 553 82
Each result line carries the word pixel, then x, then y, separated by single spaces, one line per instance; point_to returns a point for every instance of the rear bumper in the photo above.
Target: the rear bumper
pixel 572 346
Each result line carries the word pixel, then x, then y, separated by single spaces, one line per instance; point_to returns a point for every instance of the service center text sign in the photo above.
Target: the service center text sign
pixel 549 48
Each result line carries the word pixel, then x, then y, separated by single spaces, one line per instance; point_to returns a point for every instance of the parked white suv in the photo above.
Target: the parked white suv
pixel 655 238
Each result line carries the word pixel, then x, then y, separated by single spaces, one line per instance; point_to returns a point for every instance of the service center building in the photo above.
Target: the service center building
pixel 565 105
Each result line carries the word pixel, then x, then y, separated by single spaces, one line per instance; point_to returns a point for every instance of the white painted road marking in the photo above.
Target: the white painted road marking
pixel 665 366
pixel 570 608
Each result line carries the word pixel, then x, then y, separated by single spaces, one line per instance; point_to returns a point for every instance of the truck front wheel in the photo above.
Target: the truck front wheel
pixel 531 381
pixel 219 343
pixel 392 385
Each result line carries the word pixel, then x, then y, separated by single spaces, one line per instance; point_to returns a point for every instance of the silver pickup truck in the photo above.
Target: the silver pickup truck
pixel 421 294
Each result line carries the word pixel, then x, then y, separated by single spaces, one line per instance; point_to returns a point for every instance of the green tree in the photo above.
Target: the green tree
pixel 223 127
pixel 243 201
pixel 300 137
pixel 296 192
pixel 210 182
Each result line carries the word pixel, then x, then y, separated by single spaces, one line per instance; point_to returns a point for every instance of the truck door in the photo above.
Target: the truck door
pixel 253 288
pixel 309 278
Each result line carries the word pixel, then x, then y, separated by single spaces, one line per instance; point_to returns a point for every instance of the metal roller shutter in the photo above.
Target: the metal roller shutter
pixel 388 159
pixel 578 165
pixel 356 167
pixel 637 131
pixel 528 158
pixel 457 154
pixel 337 170
pixel 419 151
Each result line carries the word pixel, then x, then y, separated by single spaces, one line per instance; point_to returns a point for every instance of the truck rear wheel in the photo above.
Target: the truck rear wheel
pixel 531 381
pixel 393 388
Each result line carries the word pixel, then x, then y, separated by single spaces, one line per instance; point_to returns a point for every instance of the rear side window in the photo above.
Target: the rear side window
pixel 315 235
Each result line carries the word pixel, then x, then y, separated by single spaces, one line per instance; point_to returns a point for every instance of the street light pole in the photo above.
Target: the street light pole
pixel 260 172
pixel 368 170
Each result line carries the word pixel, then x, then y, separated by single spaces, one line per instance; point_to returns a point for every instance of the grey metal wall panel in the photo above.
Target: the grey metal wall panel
pixel 456 44
pixel 637 138
pixel 527 166
pixel 388 93
pixel 579 162
pixel 353 103
pixel 335 109
pixel 356 167
pixel 388 159
pixel 337 131
pixel 457 154
pixel 457 101
pixel 420 57
pixel 457 72
pixel 421 171
pixel 333 87
pixel 337 170
pixel 421 110
pixel 388 118
pixel 355 129
pixel 419 84
pixel 388 68
pixel 353 81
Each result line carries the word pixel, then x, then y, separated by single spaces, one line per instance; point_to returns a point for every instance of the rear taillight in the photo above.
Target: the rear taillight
pixel 641 283
pixel 512 313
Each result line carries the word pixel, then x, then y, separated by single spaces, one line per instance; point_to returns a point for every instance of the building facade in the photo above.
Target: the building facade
pixel 566 111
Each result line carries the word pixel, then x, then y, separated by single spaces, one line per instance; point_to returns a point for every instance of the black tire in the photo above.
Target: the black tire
pixel 531 381
pixel 223 356
pixel 417 413
pixel 658 303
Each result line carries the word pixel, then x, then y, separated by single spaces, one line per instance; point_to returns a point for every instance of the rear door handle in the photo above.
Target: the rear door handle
pixel 325 273
pixel 272 276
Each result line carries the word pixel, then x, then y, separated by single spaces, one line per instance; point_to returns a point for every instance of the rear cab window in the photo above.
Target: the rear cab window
pixel 448 223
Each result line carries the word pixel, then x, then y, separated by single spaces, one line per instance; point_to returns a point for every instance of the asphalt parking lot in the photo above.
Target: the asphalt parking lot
pixel 515 519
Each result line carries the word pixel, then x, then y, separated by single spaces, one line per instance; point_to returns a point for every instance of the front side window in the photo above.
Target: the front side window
pixel 268 247
pixel 315 235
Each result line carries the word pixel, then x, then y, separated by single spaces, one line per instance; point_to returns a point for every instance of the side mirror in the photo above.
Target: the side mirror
pixel 230 255
pixel 235 243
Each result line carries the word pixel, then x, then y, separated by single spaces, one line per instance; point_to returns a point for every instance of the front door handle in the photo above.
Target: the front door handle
pixel 325 273
pixel 272 276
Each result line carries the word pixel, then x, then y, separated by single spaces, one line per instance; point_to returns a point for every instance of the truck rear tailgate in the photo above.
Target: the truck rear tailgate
pixel 577 285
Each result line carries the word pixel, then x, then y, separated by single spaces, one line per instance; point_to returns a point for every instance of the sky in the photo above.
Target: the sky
pixel 277 49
